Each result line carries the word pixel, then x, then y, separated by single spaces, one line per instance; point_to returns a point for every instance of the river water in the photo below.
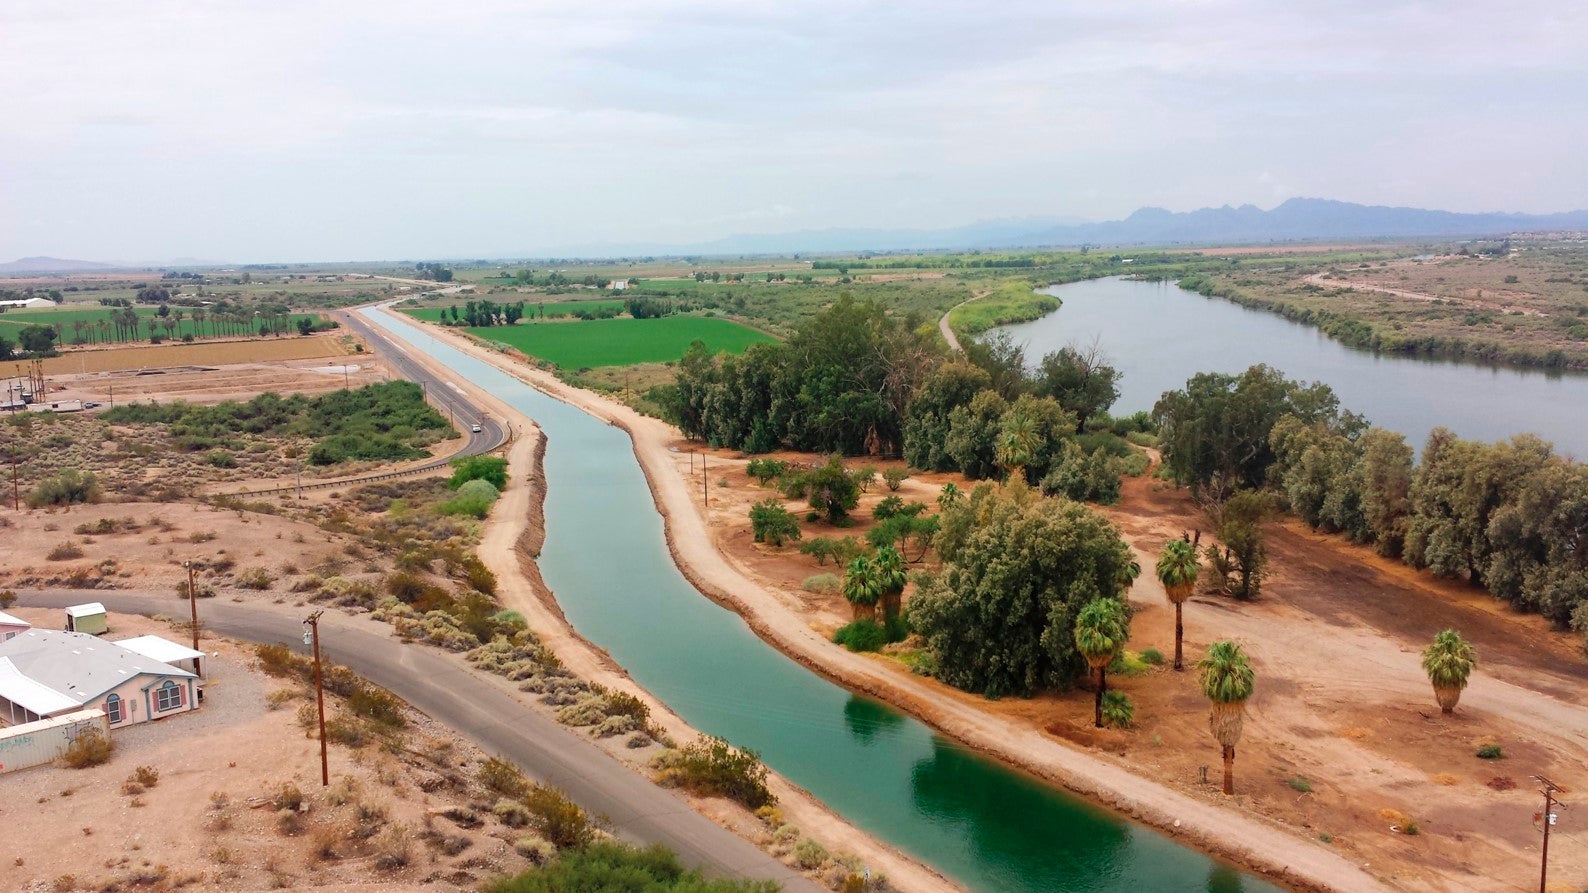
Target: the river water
pixel 987 826
pixel 1159 335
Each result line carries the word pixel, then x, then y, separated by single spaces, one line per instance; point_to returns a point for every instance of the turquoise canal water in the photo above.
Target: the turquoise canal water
pixel 985 825
pixel 1159 335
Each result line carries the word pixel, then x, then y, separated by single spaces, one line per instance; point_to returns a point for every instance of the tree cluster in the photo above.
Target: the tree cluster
pixel 483 314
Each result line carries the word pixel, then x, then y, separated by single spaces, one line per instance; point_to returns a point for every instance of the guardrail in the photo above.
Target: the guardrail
pixel 382 476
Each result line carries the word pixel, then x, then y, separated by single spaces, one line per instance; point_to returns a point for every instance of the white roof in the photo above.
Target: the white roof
pixel 163 650
pixel 87 610
pixel 76 666
pixel 35 697
pixel 12 620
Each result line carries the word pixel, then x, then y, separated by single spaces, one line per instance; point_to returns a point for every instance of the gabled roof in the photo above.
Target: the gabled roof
pixel 156 648
pixel 30 695
pixel 85 610
pixel 12 620
pixel 76 665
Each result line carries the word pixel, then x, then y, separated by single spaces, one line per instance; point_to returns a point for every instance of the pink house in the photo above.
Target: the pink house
pixel 11 626
pixel 45 673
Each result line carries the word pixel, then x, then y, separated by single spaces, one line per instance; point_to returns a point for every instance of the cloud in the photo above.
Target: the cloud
pixel 264 130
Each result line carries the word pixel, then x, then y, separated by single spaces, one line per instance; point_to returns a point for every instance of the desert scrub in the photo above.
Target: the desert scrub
pixel 712 767
pixel 809 854
pixel 821 584
pixel 64 488
pixel 65 551
pixel 91 748
pixel 256 578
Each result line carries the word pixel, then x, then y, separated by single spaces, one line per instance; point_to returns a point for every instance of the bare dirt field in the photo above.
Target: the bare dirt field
pixel 209 821
pixel 202 353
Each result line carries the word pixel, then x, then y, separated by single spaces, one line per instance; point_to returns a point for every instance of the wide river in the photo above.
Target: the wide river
pixel 1159 335
pixel 987 826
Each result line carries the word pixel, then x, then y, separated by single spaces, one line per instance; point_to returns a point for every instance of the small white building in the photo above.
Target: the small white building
pixel 27 304
pixel 165 651
pixel 619 284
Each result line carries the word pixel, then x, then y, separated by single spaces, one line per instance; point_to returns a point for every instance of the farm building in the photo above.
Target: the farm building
pixel 27 304
pixel 11 626
pixel 44 673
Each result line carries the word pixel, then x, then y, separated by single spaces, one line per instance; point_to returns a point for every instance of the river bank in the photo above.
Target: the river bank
pixel 511 541
pixel 1247 840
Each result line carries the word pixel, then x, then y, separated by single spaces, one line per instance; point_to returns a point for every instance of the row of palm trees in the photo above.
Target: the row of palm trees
pixel 1225 674
pixel 123 324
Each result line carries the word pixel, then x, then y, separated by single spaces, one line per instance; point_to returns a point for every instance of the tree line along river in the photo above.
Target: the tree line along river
pixel 987 826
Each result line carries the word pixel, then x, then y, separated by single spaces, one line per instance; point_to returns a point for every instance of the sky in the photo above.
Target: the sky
pixel 301 130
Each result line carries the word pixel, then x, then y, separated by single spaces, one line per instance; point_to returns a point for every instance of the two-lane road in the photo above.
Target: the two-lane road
pixel 486 714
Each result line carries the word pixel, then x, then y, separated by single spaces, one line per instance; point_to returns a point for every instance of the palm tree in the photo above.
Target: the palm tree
pixel 1101 630
pixel 861 587
pixel 1017 444
pixel 1448 662
pixel 1227 680
pixel 888 569
pixel 1178 567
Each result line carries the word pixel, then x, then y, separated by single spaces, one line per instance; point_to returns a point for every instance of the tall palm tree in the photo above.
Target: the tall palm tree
pixel 861 587
pixel 1227 680
pixel 1101 630
pixel 1449 662
pixel 888 569
pixel 1178 567
pixel 1017 444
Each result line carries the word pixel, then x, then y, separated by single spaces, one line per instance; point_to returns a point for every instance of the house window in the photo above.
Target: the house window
pixel 167 697
pixel 113 708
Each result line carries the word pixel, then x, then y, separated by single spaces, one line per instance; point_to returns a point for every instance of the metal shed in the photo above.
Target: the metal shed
pixel 87 618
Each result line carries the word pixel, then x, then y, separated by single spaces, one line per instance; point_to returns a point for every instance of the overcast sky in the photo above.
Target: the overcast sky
pixel 373 129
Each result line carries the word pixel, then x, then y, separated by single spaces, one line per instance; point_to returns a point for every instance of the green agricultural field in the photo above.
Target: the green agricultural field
pixel 91 316
pixel 622 342
pixel 532 309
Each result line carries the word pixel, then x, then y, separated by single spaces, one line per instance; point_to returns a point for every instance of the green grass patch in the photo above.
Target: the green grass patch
pixel 1010 302
pixel 623 342
pixel 94 333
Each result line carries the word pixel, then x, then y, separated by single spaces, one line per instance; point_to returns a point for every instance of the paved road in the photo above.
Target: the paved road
pixel 464 413
pixel 491 718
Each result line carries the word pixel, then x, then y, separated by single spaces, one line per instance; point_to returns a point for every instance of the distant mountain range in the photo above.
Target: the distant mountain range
pixel 1296 220
pixel 52 265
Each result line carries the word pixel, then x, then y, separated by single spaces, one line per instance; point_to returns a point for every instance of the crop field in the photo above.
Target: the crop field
pixel 532 309
pixel 213 353
pixel 92 332
pixel 622 342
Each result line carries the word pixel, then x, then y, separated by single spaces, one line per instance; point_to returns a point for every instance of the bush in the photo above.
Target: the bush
pixel 277 660
pixel 148 776
pixel 221 459
pixel 821 548
pixel 764 470
pixel 91 748
pixel 894 477
pixel 503 778
pixel 256 578
pixel 864 634
pixel 65 488
pixel 378 706
pixel 65 552
pixel 1152 657
pixel 1300 784
pixel 821 584
pixel 558 819
pixel 1118 710
pixel 479 468
pixel 712 767
pixel 474 499
pixel 809 854
pixel 1490 752
pixel 7 598
pixel 772 523
pixel 613 866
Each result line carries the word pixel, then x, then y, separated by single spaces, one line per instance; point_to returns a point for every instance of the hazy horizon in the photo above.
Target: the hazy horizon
pixel 292 131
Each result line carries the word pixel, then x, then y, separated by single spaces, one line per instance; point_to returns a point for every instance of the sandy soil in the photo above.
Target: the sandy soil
pixel 1329 280
pixel 511 540
pixel 207 825
pixel 126 357
pixel 776 614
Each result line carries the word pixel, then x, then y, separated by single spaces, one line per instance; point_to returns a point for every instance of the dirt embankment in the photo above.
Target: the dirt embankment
pixel 511 540
pixel 1252 840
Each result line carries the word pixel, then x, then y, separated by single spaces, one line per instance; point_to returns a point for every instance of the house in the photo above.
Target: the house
pixel 45 673
pixel 27 304
pixel 10 626
pixel 165 651
pixel 620 284
pixel 87 618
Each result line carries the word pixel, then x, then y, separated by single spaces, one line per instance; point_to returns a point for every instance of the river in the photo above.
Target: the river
pixel 1159 335
pixel 987 826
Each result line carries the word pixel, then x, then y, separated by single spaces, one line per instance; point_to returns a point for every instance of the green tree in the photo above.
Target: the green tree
pixel 973 433
pixel 832 491
pixel 1448 663
pixel 1241 527
pixel 1227 680
pixel 1080 379
pixel 861 588
pixel 1101 630
pixel 771 523
pixel 945 388
pixel 999 618
pixel 887 568
pixel 1178 567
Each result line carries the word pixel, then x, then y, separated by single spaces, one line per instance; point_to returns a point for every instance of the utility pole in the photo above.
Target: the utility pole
pixel 192 600
pixel 300 478
pixel 1549 790
pixel 311 633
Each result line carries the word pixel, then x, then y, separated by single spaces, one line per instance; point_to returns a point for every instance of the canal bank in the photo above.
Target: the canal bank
pixel 982 823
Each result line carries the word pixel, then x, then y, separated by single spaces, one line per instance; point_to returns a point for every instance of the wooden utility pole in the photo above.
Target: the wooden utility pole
pixel 1549 790
pixel 192 600
pixel 312 634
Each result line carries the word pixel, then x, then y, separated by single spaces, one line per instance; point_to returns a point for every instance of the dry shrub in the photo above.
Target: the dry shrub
pixel 559 819
pixel 1447 779
pixel 536 849
pixel 325 839
pixel 91 748
pixel 65 552
pixel 1501 783
pixel 131 788
pixel 288 796
pixel 280 698
pixel 148 776
pixel 394 848
pixel 503 778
